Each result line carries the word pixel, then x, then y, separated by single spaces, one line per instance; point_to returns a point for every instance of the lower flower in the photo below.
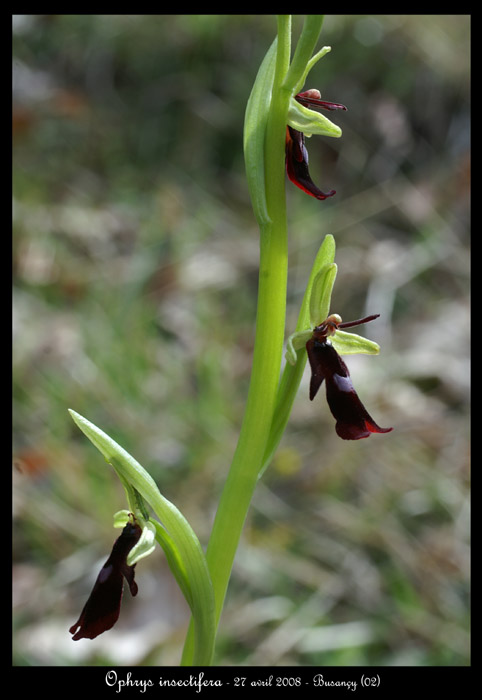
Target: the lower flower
pixel 102 609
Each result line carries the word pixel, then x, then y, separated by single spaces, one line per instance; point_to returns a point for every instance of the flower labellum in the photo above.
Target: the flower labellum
pixel 353 422
pixel 308 123
pixel 297 165
pixel 101 610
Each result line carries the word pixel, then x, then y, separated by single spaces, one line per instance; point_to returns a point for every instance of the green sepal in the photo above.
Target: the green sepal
pixel 321 291
pixel 310 122
pixel 145 545
pixel 121 518
pixel 295 342
pixel 353 344
pixel 313 60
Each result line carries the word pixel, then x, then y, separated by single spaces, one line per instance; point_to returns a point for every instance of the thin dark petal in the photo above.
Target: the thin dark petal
pixel 297 165
pixel 306 98
pixel 353 422
pixel 358 322
pixel 101 610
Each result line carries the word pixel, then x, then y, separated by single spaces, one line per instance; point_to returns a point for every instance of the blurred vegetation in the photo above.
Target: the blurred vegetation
pixel 135 277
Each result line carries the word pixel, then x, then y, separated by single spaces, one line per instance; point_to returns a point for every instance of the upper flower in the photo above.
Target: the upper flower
pixel 302 122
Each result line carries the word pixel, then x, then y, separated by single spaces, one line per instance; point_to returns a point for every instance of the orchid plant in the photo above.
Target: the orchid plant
pixel 279 117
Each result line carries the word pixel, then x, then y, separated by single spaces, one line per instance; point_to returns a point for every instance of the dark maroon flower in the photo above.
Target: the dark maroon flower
pixel 353 422
pixel 296 153
pixel 102 609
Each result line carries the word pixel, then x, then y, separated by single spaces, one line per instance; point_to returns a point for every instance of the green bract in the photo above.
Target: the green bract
pixel 255 121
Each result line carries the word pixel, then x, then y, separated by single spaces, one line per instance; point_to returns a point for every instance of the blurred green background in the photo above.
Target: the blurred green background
pixel 135 276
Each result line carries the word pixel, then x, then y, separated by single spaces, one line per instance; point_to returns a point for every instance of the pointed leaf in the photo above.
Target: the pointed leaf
pixel 255 121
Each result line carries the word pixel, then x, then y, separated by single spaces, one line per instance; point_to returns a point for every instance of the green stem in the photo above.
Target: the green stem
pixel 270 320
pixel 257 438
